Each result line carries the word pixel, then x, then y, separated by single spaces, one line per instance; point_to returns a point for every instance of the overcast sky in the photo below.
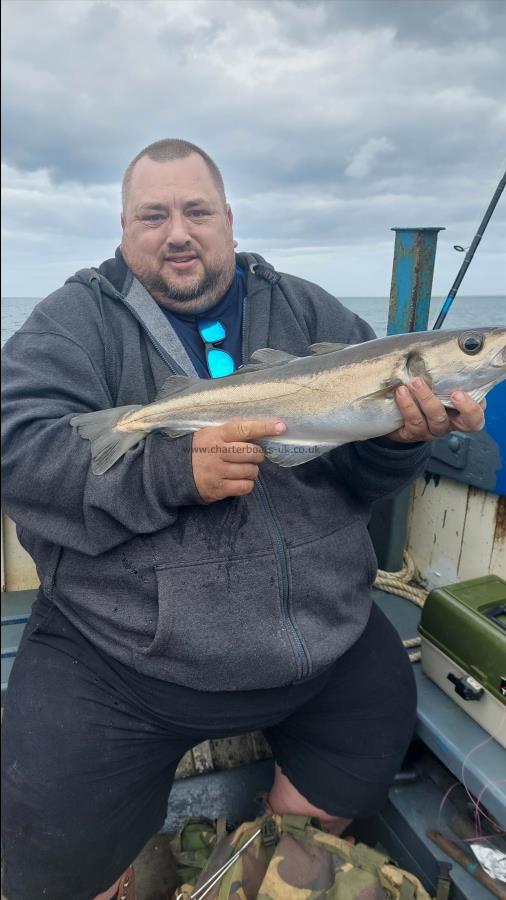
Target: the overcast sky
pixel 331 121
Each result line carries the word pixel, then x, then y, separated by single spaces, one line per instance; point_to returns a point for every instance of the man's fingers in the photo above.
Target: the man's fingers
pixel 471 416
pixel 436 417
pixel 415 424
pixel 426 418
pixel 225 466
pixel 239 452
pixel 251 430
pixel 236 488
pixel 241 472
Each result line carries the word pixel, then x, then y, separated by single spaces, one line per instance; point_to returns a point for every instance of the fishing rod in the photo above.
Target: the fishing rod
pixel 469 255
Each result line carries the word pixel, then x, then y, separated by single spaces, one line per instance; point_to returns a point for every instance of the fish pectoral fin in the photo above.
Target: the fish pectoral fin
pixel 326 347
pixel 385 392
pixel 268 356
pixel 175 384
pixel 416 367
pixel 288 455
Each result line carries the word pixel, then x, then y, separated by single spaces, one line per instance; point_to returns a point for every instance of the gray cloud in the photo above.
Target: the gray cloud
pixel 437 22
pixel 331 121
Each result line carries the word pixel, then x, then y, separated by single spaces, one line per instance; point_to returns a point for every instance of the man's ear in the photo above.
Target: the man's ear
pixel 122 220
pixel 230 215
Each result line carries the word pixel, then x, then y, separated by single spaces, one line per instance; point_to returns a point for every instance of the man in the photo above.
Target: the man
pixel 194 590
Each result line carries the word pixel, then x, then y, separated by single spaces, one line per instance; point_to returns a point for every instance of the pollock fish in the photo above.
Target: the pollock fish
pixel 336 394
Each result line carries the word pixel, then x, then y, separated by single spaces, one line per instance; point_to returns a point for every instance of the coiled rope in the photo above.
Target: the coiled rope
pixel 400 583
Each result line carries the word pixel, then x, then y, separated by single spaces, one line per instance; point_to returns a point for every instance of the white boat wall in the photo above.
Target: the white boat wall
pixel 456 531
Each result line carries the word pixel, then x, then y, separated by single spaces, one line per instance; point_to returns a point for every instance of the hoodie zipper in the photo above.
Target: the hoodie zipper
pixel 301 658
pixel 169 362
pixel 302 661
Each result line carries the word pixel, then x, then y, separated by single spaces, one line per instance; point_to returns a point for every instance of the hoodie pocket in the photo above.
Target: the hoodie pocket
pixel 331 577
pixel 220 625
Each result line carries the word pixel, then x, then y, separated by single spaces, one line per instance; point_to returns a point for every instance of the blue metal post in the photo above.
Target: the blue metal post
pixel 413 269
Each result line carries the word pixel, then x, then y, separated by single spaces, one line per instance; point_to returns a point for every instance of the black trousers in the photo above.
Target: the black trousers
pixel 91 747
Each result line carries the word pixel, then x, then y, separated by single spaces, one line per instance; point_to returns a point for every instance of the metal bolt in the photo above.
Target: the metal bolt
pixel 454 443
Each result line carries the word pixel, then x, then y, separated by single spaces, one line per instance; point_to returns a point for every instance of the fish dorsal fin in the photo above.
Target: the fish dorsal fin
pixel 268 356
pixel 326 347
pixel 174 385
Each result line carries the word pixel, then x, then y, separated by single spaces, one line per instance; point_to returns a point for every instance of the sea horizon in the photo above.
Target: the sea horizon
pixel 467 311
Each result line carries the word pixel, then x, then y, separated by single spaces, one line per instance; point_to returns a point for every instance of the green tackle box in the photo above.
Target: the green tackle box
pixel 463 636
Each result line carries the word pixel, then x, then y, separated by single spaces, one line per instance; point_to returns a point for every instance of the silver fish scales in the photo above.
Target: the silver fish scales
pixel 336 394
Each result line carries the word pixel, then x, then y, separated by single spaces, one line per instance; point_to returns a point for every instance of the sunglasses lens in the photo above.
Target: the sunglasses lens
pixel 220 363
pixel 211 331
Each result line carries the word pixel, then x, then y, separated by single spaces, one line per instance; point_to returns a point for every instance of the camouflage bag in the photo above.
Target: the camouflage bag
pixel 285 858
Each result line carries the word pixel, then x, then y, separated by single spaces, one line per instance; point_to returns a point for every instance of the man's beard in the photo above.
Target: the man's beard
pixel 199 296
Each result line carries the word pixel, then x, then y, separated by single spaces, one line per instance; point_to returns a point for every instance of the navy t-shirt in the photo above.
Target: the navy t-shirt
pixel 228 311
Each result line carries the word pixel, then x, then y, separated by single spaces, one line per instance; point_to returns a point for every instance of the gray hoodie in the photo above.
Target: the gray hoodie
pixel 244 593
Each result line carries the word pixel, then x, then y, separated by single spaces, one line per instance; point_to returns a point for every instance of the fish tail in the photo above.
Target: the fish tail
pixel 107 444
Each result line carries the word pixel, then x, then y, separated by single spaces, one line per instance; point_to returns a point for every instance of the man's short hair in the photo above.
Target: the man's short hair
pixel 169 149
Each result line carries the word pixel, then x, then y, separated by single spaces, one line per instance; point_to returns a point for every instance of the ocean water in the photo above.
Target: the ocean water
pixel 466 312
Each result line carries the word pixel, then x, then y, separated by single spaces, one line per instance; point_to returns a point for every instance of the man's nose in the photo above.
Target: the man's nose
pixel 177 232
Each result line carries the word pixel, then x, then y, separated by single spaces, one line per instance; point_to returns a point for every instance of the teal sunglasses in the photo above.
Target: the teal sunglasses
pixel 219 362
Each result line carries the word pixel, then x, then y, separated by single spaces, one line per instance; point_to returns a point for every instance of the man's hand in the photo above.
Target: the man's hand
pixel 224 463
pixel 425 417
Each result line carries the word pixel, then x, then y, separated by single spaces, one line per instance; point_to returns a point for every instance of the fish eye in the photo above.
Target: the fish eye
pixel 471 343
